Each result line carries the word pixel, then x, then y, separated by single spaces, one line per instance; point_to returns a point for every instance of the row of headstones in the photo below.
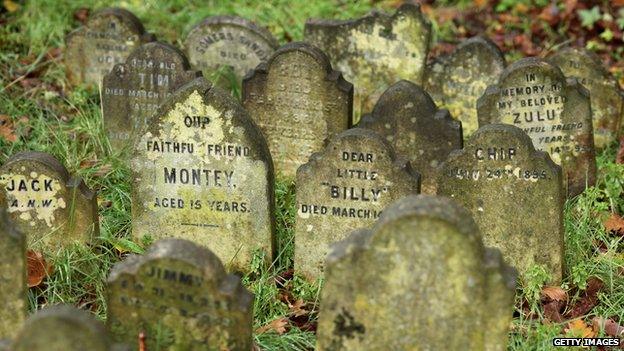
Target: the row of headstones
pixel 424 254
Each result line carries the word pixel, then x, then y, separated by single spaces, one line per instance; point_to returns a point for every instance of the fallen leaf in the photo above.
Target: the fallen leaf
pixel 278 325
pixel 297 309
pixel 7 129
pixel 38 268
pixel 578 328
pixel 480 3
pixel 142 346
pixel 614 225
pixel 555 293
pixel 81 15
pixel 11 6
pixel 619 158
pixel 552 311
pixel 610 327
pixel 588 300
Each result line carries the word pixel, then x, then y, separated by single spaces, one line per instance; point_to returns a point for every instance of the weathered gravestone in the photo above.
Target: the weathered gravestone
pixel 299 102
pixel 607 102
pixel 13 290
pixel 47 205
pixel 109 36
pixel 421 279
pixel 344 187
pixel 535 96
pixel 203 172
pixel 375 51
pixel 457 80
pixel 228 41
pixel 179 291
pixel 133 90
pixel 407 117
pixel 64 328
pixel 514 193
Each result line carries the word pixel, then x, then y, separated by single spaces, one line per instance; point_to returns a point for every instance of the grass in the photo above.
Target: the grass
pixel 66 122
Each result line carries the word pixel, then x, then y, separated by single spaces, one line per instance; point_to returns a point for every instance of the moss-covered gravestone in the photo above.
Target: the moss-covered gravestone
pixel 375 51
pixel 203 172
pixel 409 120
pixel 180 296
pixel 65 328
pixel 344 187
pixel 455 81
pixel 421 279
pixel 47 205
pixel 228 41
pixel 109 36
pixel 533 95
pixel 133 90
pixel 607 102
pixel 514 193
pixel 299 102
pixel 13 288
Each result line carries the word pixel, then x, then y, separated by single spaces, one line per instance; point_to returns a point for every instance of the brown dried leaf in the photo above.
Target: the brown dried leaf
pixel 38 268
pixel 142 338
pixel 555 293
pixel 579 328
pixel 611 327
pixel 588 300
pixel 278 326
pixel 7 129
pixel 297 309
pixel 552 311
pixel 619 158
pixel 614 224
pixel 82 15
pixel 103 170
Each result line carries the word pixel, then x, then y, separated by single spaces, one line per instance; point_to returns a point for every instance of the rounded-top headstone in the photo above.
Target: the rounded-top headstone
pixel 607 101
pixel 299 102
pixel 376 50
pixel 133 90
pixel 13 288
pixel 228 41
pixel 108 37
pixel 455 81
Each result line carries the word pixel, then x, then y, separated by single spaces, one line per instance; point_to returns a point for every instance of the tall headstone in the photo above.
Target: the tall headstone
pixel 133 90
pixel 607 101
pixel 455 81
pixel 228 41
pixel 64 328
pixel 299 102
pixel 13 293
pixel 109 36
pixel 535 96
pixel 375 51
pixel 203 172
pixel 409 120
pixel 514 193
pixel 420 279
pixel 179 295
pixel 47 205
pixel 344 187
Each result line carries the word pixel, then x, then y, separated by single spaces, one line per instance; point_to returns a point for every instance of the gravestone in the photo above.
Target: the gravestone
pixel 203 172
pixel 607 102
pixel 455 81
pixel 64 328
pixel 180 292
pixel 420 279
pixel 299 102
pixel 133 90
pixel 228 41
pixel 48 206
pixel 13 290
pixel 109 36
pixel 374 51
pixel 344 187
pixel 514 193
pixel 535 96
pixel 407 118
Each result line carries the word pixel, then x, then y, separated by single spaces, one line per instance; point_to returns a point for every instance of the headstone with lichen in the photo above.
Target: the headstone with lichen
pixel 180 297
pixel 13 288
pixel 419 279
pixel 299 102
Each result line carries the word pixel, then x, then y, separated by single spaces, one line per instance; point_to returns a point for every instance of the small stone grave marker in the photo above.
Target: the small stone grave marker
pixel 533 95
pixel 514 193
pixel 344 187
pixel 64 328
pixel 228 41
pixel 133 90
pixel 180 292
pixel 376 50
pixel 299 102
pixel 109 36
pixel 47 205
pixel 607 101
pixel 409 120
pixel 12 278
pixel 203 172
pixel 455 81
pixel 420 278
